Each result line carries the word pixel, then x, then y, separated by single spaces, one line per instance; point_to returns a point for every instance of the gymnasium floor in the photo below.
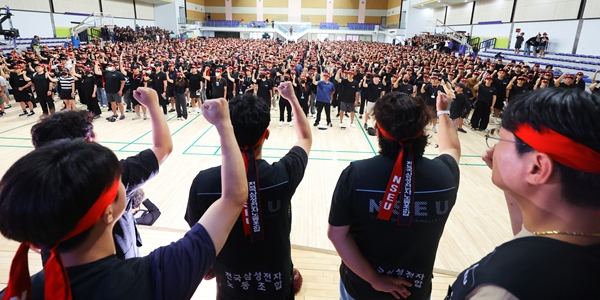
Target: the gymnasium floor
pixel 478 222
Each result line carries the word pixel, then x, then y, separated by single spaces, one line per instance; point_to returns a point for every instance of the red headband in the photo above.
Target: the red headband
pixel 56 282
pixel 401 183
pixel 560 148
pixel 251 213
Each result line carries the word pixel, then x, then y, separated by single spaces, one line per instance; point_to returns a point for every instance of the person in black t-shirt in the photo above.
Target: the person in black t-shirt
pixel 21 90
pixel 43 90
pixel 137 169
pixel 90 92
pixel 114 83
pixel 349 97
pixel 264 87
pixel 486 98
pixel 546 159
pixel 159 84
pixel 256 260
pixel 181 86
pixel 579 83
pixel 569 81
pixel 138 79
pixel 195 81
pixel 219 84
pixel 386 239
pixel 375 90
pixel 458 106
pixel 79 219
pixel 429 93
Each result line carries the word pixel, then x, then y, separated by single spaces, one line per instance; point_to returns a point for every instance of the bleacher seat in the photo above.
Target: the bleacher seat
pixel 329 25
pixel 222 23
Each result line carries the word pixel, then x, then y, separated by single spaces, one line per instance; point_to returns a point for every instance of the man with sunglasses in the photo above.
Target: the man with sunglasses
pixel 549 170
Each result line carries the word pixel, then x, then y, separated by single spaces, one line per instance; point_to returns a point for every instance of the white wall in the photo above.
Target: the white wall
pixel 61 20
pixel 494 10
pixel 145 11
pixel 35 5
pixel 459 14
pixel 165 16
pixel 561 33
pixel 80 6
pixel 416 20
pixel 588 41
pixel 494 30
pixel 592 9
pixel 122 22
pixel 439 13
pixel 119 8
pixel 541 10
pixel 22 21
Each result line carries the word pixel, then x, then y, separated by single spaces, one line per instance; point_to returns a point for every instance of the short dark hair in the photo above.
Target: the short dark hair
pixel 69 176
pixel 73 124
pixel 250 117
pixel 571 113
pixel 401 116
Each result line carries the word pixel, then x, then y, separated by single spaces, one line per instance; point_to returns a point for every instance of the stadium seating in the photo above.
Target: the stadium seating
pixel 561 63
pixel 257 24
pixel 23 43
pixel 362 26
pixel 329 25
pixel 222 23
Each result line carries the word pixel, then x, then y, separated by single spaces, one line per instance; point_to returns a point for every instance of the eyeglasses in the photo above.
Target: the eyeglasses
pixel 492 140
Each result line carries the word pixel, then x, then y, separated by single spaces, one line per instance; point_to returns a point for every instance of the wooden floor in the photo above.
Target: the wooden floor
pixel 478 222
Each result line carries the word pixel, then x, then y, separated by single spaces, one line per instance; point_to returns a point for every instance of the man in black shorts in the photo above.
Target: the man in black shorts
pixel 195 80
pixel 429 92
pixel 388 212
pixel 21 85
pixel 114 83
pixel 256 262
pixel 349 97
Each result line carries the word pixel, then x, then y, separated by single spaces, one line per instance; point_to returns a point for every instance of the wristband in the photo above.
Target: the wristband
pixel 443 112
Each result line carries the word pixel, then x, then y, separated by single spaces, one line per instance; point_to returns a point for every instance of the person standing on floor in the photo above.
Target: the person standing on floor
pixel 388 212
pixel 325 90
pixel 256 260
pixel 548 168
pixel 284 104
pixel 486 99
pixel 114 83
pixel 90 92
pixel 375 90
pixel 180 87
pixel 43 90
pixel 349 97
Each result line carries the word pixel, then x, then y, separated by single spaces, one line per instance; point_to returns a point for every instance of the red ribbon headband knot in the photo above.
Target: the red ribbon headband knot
pixel 401 186
pixel 560 148
pixel 56 281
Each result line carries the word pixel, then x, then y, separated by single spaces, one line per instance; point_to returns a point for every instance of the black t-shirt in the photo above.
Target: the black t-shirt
pixel 431 93
pixel 264 89
pixel 580 85
pixel 89 82
pixel 260 269
pixel 408 88
pixel 136 171
pixel 169 272
pixel 516 91
pixel 458 105
pixel 399 251
pixel 218 87
pixel 500 86
pixel 567 86
pixel 158 81
pixel 42 84
pixel 137 80
pixel 350 88
pixel 374 91
pixel 194 80
pixel 485 94
pixel 539 261
pixel 112 81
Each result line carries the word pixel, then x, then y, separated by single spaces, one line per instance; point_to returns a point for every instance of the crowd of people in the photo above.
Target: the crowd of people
pixel 387 212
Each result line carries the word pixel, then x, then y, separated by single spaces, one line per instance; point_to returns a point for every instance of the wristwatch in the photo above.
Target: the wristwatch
pixel 443 112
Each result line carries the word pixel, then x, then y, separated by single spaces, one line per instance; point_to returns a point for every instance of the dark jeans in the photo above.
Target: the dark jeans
pixel 46 102
pixel 363 100
pixel 285 104
pixel 92 103
pixel 180 105
pixel 481 116
pixel 320 106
